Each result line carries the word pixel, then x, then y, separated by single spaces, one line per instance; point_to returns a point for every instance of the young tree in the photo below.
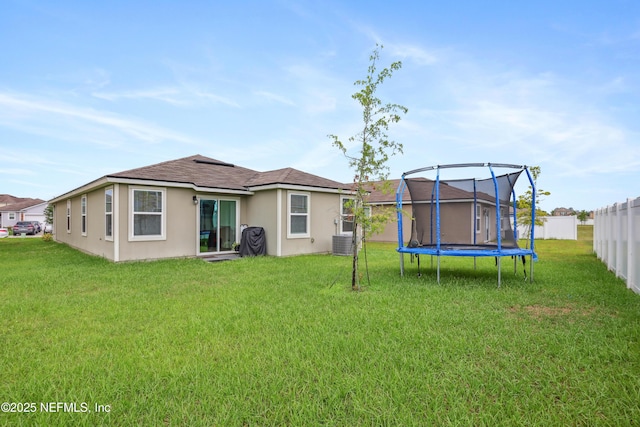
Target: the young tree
pixel 373 150
pixel 48 214
pixel 583 216
pixel 525 202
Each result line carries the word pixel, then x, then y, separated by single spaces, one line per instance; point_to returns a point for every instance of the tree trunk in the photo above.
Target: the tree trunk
pixel 354 266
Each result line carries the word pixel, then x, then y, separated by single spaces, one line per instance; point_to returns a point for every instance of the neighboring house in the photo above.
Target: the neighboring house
pixel 197 206
pixel 460 221
pixel 563 212
pixel 22 209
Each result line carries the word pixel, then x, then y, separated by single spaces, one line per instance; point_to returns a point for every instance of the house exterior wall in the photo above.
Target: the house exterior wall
pixel 262 211
pixel 94 240
pixel 324 211
pixel 7 221
pixel 457 224
pixel 390 231
pixel 180 222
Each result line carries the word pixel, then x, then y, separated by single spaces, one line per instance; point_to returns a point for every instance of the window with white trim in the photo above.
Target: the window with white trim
pixel 478 218
pixel 83 214
pixel 69 216
pixel 504 219
pixel 346 215
pixel 147 214
pixel 12 215
pixel 298 215
pixel 108 214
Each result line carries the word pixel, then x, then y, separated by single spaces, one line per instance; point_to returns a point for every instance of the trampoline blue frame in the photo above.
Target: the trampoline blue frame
pixel 474 251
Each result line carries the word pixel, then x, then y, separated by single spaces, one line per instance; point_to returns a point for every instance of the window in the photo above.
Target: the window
pixel 68 216
pixel 12 215
pixel 108 214
pixel 504 219
pixel 147 207
pixel 477 218
pixel 346 215
pixel 83 214
pixel 298 224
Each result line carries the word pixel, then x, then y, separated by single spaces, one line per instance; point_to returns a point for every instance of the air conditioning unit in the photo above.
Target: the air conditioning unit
pixel 343 244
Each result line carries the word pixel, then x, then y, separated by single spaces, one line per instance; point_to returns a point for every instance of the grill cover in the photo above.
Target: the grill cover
pixel 253 242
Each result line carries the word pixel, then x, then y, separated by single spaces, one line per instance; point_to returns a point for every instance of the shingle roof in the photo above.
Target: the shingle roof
pixel 206 172
pixel 293 177
pixel 8 199
pixel 24 203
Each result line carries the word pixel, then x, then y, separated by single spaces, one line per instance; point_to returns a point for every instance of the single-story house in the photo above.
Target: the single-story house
pixel 22 209
pixel 197 206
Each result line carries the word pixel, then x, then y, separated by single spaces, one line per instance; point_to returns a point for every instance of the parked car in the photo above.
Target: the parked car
pixel 37 226
pixel 24 227
pixel 4 232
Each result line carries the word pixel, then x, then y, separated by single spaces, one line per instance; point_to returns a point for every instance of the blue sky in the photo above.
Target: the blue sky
pixel 91 88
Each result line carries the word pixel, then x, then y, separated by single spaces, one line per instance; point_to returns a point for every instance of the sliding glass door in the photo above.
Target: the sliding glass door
pixel 218 224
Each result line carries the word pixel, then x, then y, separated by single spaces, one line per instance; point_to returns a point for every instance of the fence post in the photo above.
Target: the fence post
pixel 611 235
pixel 630 245
pixel 619 236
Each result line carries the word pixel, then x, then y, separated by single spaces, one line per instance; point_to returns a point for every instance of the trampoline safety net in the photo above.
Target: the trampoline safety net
pixel 463 217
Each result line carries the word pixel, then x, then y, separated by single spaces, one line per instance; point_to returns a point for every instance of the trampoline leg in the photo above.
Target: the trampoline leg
pixel 401 264
pixel 515 265
pixel 419 272
pixel 438 269
pixel 499 269
pixel 531 269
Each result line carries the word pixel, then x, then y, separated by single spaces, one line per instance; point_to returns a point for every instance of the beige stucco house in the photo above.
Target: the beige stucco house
pixel 197 206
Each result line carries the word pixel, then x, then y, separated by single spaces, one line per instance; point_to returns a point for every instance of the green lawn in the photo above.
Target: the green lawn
pixel 268 341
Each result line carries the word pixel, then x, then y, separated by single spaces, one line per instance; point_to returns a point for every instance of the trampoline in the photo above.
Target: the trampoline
pixel 469 217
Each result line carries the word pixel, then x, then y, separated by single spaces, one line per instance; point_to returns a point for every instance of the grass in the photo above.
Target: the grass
pixel 268 341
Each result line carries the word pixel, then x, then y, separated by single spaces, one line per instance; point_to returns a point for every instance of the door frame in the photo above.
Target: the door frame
pixel 199 199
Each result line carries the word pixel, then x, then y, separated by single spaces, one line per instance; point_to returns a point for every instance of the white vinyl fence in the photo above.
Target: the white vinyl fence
pixel 554 227
pixel 616 240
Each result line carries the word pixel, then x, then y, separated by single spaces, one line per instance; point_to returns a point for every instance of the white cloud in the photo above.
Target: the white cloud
pixel 411 52
pixel 275 97
pixel 39 114
pixel 168 95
